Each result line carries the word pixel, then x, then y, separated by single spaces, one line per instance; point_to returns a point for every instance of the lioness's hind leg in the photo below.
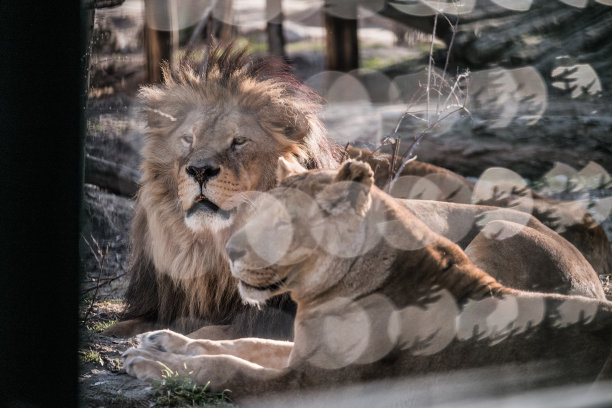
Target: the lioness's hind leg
pixel 213 333
pixel 532 259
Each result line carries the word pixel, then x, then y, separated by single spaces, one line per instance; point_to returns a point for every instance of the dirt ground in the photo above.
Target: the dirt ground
pixel 115 135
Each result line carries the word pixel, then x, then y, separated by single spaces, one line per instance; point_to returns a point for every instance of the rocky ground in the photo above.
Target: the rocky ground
pixel 573 132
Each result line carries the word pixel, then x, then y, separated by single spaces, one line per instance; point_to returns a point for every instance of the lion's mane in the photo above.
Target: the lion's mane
pixel 181 279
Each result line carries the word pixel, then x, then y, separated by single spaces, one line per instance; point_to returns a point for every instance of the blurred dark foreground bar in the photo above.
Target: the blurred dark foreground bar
pixel 41 100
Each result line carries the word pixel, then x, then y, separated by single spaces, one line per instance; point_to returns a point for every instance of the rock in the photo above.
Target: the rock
pixel 106 225
pixel 112 147
pixel 547 35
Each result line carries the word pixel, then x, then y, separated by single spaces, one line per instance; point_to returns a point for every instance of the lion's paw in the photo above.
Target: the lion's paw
pixel 164 340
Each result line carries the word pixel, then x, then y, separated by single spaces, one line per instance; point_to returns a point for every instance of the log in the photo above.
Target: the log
pixel 111 176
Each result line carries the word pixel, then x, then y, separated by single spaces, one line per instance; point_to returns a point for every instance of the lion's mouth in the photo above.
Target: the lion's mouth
pixel 272 288
pixel 202 204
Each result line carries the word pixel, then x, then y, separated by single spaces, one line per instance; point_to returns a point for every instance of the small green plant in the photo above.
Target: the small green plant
pixel 91 357
pixel 99 327
pixel 175 390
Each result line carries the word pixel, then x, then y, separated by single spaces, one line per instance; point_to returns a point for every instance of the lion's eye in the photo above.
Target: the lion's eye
pixel 187 140
pixel 238 141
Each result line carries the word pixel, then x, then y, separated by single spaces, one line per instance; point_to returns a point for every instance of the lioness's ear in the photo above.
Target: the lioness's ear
pixel 288 167
pixel 350 189
pixel 356 171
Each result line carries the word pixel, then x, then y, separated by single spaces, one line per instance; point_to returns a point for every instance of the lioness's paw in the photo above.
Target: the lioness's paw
pixel 164 340
pixel 141 364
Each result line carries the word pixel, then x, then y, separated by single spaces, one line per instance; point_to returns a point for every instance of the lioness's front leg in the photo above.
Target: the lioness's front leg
pixel 264 352
pixel 223 371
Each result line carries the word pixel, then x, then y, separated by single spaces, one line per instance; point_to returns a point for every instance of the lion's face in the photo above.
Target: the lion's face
pixel 219 156
pixel 295 235
pixel 215 135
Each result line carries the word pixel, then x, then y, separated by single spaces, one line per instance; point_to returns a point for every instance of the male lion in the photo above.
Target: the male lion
pixel 379 295
pixel 213 135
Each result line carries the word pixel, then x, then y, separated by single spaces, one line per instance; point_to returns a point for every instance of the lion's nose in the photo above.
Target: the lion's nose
pixel 203 173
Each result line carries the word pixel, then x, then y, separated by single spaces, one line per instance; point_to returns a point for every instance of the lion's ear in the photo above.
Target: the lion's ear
pixel 288 167
pixel 152 99
pixel 350 189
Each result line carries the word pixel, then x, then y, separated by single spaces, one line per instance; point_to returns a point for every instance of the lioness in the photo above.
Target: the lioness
pixel 214 133
pixel 379 295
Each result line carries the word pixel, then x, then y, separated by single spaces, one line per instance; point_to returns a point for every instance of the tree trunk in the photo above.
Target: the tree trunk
pixel 274 28
pixel 158 44
pixel 341 40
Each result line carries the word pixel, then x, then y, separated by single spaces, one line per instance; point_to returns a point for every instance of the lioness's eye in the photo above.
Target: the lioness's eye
pixel 237 141
pixel 187 140
pixel 281 224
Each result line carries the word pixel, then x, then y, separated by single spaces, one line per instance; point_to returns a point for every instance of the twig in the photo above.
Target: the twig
pixel 103 282
pixel 450 47
pixel 460 77
pixel 345 152
pixel 409 156
pixel 385 141
pixel 394 155
pixel 433 38
pixel 100 259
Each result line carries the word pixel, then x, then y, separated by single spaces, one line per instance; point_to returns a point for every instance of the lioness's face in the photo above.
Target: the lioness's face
pixel 220 154
pixel 274 243
pixel 295 235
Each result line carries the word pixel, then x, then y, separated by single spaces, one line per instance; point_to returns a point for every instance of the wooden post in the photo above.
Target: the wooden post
pixel 341 40
pixel 274 28
pixel 158 44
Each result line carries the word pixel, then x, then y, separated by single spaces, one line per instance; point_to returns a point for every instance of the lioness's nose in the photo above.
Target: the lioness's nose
pixel 234 251
pixel 203 173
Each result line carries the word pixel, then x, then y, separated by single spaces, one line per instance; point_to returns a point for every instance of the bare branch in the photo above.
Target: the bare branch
pixel 101 259
pixel 396 146
pixel 433 38
pixel 102 283
pixel 409 156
